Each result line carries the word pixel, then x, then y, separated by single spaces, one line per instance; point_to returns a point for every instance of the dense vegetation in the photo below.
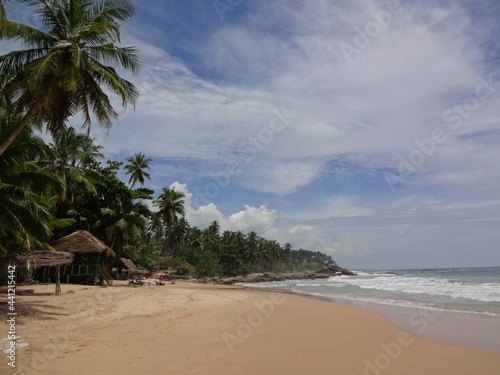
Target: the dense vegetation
pixel 48 190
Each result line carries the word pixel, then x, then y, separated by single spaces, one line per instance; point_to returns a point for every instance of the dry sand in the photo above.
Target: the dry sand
pixel 191 328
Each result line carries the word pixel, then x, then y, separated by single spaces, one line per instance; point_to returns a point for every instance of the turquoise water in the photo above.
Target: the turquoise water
pixel 474 290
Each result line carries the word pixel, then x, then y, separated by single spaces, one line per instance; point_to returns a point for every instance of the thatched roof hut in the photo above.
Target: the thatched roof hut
pixel 82 242
pixel 127 263
pixel 39 258
pixel 124 267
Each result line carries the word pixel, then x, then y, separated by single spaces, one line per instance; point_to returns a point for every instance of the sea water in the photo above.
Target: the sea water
pixel 473 290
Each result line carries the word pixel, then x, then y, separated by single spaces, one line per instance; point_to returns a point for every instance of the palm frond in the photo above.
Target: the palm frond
pixel 27 35
pixel 127 57
pixel 115 10
pixel 108 76
pixel 14 62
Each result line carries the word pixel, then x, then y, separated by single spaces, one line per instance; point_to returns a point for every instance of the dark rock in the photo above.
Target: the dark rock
pixel 334 270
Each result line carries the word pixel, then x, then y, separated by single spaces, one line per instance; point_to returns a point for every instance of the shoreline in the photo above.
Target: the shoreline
pixel 189 328
pixel 468 329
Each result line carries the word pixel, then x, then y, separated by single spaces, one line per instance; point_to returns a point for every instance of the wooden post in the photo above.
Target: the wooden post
pixel 58 279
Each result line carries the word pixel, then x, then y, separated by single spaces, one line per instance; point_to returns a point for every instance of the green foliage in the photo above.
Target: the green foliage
pixel 208 265
pixel 47 191
pixel 190 255
pixel 183 269
pixel 173 263
pixel 61 69
pixel 28 192
pixel 171 206
pixel 313 266
pixel 142 193
pixel 136 169
pixel 149 249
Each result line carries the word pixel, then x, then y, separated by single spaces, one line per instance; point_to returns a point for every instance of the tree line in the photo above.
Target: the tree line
pixel 50 189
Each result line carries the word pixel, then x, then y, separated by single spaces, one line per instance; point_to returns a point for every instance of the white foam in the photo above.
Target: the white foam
pixel 485 292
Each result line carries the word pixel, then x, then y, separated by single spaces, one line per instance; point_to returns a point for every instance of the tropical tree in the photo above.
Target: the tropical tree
pixel 63 67
pixel 252 248
pixel 176 237
pixel 171 206
pixel 148 251
pixel 72 158
pixel 211 237
pixel 136 169
pixel 124 224
pixel 27 192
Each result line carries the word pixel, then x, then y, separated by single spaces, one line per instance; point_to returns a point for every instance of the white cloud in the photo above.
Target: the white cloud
pixel 258 219
pixel 336 207
pixel 389 95
pixel 261 220
pixel 351 120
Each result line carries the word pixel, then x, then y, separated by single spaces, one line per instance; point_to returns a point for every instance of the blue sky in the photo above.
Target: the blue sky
pixel 365 129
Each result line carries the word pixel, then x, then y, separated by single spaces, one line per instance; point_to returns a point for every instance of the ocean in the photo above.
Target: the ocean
pixel 472 290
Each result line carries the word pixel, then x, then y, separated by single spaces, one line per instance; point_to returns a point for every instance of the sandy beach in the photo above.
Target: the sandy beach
pixel 190 328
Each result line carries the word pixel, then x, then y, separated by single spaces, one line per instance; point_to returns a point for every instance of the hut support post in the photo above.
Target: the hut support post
pixel 58 279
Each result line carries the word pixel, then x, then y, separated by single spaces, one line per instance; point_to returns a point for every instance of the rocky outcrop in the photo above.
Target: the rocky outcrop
pixel 325 273
pixel 335 270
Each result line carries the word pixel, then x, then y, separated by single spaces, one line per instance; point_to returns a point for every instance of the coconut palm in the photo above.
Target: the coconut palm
pixel 252 248
pixel 124 224
pixel 72 155
pixel 63 68
pixel 27 192
pixel 136 169
pixel 171 206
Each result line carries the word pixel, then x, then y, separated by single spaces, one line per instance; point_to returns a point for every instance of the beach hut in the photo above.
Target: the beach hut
pixel 122 268
pixel 41 258
pixel 91 259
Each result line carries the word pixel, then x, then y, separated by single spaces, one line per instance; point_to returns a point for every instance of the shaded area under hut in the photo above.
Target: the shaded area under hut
pixel 90 266
pixel 39 258
pixel 124 269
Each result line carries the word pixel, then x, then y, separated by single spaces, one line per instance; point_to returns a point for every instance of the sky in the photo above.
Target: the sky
pixel 365 129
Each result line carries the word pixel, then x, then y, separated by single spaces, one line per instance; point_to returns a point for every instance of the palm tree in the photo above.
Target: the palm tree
pixel 71 157
pixel 171 206
pixel 176 237
pixel 62 69
pixel 136 169
pixel 195 240
pixel 252 248
pixel 124 224
pixel 27 192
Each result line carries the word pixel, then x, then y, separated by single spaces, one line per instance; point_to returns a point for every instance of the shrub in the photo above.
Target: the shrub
pixel 208 264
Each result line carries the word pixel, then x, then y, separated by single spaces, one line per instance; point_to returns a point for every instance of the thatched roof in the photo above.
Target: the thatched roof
pixel 82 242
pixel 40 258
pixel 128 263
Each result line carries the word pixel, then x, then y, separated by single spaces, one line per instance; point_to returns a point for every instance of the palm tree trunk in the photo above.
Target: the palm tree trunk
pixel 19 128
